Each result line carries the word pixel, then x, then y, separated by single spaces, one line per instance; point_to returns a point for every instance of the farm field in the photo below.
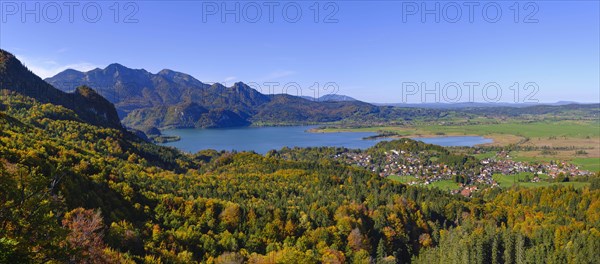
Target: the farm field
pixel 540 129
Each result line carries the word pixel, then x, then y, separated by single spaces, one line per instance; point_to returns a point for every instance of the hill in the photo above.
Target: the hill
pixel 89 106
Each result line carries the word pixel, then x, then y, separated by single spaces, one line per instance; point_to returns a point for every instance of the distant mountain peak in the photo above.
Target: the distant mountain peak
pixel 71 71
pixel 179 77
pixel 115 66
pixel 166 72
pixel 217 85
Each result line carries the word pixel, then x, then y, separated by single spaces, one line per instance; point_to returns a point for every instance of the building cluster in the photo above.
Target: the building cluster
pixel 507 166
pixel 401 163
pixel 425 170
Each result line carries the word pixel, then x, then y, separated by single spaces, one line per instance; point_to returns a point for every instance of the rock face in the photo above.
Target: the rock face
pixel 173 99
pixel 90 106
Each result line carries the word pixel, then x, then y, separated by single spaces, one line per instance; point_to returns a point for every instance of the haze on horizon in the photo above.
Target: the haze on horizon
pixel 375 52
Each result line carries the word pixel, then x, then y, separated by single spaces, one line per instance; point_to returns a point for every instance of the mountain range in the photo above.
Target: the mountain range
pixel 170 99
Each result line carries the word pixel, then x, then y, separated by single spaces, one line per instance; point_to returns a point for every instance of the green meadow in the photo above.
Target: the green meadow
pixel 575 129
pixel 444 184
pixel 591 164
pixel 507 181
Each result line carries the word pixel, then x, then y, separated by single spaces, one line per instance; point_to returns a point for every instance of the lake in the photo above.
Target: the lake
pixel 263 139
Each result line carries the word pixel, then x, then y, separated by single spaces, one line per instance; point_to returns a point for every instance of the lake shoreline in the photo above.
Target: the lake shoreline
pixel 393 136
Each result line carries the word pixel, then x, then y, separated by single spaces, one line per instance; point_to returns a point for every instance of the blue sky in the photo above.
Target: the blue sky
pixel 371 50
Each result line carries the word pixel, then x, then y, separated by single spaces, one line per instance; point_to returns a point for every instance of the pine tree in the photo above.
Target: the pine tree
pixel 520 249
pixel 508 248
pixel 381 251
pixel 495 250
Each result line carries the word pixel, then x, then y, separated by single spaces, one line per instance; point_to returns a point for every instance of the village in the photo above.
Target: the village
pixel 425 170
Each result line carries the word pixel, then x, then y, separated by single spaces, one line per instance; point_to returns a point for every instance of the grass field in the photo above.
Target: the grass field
pixel 531 130
pixel 402 179
pixel 591 164
pixel 576 129
pixel 510 180
pixel 444 184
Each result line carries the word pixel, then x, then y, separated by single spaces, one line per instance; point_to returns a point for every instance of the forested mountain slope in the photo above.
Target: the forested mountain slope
pixel 88 105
